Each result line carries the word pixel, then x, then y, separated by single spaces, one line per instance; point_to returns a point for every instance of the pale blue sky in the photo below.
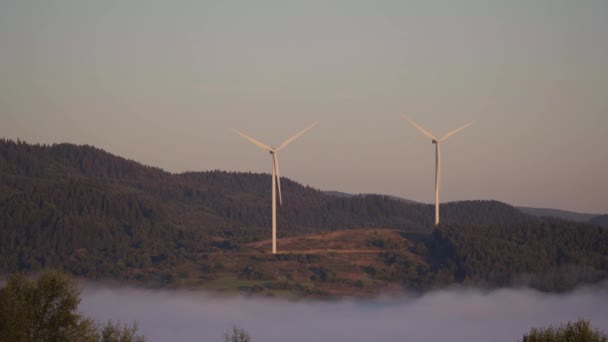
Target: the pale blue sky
pixel 162 82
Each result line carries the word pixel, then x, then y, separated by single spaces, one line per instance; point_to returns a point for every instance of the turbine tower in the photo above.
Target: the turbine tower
pixel 437 157
pixel 276 175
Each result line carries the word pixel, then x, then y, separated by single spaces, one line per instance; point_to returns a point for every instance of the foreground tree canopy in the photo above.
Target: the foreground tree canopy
pixel 45 309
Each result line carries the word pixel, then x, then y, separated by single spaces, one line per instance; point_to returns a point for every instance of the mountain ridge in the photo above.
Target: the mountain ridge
pixel 97 215
pixel 560 214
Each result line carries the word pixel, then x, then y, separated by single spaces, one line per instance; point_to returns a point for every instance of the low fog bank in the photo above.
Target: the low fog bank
pixel 457 314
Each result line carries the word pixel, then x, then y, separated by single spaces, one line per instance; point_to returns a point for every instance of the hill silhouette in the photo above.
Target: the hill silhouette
pixel 99 215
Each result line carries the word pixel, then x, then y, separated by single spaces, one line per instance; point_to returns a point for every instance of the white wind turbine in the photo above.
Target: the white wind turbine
pixel 276 175
pixel 437 157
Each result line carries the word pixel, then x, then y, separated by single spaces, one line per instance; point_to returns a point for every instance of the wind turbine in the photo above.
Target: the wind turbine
pixel 276 175
pixel 437 157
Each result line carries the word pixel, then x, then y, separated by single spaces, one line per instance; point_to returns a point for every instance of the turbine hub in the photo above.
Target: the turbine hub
pixel 434 141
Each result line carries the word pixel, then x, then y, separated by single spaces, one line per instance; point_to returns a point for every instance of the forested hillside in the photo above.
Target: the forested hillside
pixel 552 255
pixel 98 215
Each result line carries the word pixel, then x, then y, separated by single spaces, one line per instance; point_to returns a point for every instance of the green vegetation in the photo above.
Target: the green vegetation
pixel 92 214
pixel 579 331
pixel 237 335
pixel 115 332
pixel 553 255
pixel 45 309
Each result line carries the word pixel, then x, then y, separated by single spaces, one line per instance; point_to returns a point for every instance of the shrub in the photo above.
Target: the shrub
pixel 570 332
pixel 117 332
pixel 237 335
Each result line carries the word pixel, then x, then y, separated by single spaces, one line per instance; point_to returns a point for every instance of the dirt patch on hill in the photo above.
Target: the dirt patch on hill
pixel 347 263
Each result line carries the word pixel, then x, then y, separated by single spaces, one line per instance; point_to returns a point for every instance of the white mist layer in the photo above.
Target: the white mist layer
pixel 447 315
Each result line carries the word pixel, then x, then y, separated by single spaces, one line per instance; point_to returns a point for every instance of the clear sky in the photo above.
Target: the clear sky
pixel 163 82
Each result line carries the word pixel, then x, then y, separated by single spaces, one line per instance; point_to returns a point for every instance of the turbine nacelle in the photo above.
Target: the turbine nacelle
pixel 434 139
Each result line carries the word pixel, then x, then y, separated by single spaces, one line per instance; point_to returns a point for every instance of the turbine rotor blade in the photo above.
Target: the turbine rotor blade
pixel 275 162
pixel 255 142
pixel 286 142
pixel 456 131
pixel 418 127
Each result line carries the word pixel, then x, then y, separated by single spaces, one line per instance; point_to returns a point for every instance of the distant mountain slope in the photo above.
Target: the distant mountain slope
pixel 561 214
pixel 72 204
pixel 602 220
pixel 216 198
pixel 552 255
pixel 347 195
pixel 99 215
